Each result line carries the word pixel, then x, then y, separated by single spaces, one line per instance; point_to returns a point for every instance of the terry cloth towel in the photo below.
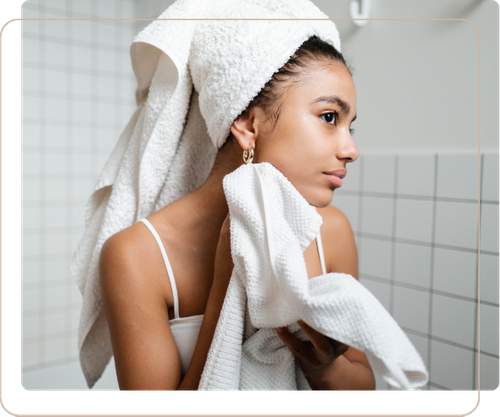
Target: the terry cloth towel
pixel 271 225
pixel 194 78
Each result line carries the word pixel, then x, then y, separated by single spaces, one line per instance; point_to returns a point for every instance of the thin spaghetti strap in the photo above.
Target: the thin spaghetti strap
pixel 167 265
pixel 319 243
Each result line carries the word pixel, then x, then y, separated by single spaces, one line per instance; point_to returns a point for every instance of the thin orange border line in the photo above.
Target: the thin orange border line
pixel 475 407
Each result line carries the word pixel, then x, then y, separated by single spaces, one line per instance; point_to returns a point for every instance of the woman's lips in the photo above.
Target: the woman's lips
pixel 335 177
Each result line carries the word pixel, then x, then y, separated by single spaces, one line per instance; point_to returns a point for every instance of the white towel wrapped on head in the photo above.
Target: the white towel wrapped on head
pixel 194 77
pixel 271 225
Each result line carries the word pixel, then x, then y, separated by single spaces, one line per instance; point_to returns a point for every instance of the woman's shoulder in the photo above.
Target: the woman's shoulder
pixel 339 245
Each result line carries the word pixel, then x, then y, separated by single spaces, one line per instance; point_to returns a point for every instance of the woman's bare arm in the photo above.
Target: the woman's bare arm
pixel 146 356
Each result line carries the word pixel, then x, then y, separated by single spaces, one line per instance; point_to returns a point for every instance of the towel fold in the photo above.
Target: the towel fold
pixel 271 225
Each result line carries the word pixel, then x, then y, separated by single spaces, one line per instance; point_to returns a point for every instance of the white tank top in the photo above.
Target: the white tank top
pixel 185 330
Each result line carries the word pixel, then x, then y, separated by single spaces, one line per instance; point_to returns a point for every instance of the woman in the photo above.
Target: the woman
pixel 300 123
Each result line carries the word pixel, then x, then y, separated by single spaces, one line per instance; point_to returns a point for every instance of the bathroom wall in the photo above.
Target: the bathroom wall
pixel 78 94
pixel 415 220
pixel 411 197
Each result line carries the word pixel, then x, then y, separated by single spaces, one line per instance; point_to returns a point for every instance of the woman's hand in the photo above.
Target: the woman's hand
pixel 327 363
pixel 316 355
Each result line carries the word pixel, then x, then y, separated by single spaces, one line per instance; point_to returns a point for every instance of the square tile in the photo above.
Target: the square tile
pixel 489 227
pixel 378 173
pixel 81 190
pixel 107 62
pixel 416 175
pixel 55 53
pixel 412 264
pixel 55 163
pixel 489 372
pixel 455 272
pixel 31 163
pixel 377 216
pixel 56 136
pixel 31 135
pixel 489 278
pixel 380 290
pixel 82 7
pixel 31 218
pixel 456 224
pixel 31 80
pixel 56 270
pixel 31 272
pixel 489 329
pixel 375 258
pixel 411 309
pixel 31 106
pixel 348 204
pixel 54 323
pixel 82 111
pixel 30 327
pixel 55 81
pixel 55 244
pixel 414 220
pixel 80 30
pixel 30 299
pixel 56 109
pixel 30 353
pixel 451 367
pixel 54 28
pixel 82 57
pixel 457 176
pixel 106 88
pixel 55 297
pixel 54 349
pixel 55 217
pixel 77 215
pixel 490 177
pixel 81 163
pixel 453 320
pixel 31 245
pixel 55 190
pixel 81 84
pixel 106 112
pixel 380 384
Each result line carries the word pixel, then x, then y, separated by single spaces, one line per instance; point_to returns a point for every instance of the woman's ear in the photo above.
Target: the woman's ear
pixel 245 128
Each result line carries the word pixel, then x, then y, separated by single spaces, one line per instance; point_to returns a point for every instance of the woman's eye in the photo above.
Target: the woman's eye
pixel 330 118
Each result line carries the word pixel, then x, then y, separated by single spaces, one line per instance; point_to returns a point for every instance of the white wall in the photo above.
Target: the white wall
pixel 417 80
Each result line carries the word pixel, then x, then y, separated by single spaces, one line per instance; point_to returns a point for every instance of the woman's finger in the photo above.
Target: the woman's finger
pixel 326 347
pixel 319 340
pixel 298 348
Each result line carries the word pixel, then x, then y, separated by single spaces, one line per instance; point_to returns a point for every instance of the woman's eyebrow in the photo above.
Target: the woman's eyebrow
pixel 334 100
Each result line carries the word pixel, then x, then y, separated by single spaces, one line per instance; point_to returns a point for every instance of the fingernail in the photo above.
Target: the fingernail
pixel 279 329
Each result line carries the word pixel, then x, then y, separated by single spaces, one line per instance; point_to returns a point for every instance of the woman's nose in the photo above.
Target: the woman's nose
pixel 348 150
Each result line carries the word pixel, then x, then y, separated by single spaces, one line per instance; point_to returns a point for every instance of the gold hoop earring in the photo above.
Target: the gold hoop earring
pixel 248 156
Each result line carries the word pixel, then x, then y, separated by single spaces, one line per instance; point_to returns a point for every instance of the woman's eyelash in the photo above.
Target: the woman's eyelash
pixel 334 113
pixel 323 116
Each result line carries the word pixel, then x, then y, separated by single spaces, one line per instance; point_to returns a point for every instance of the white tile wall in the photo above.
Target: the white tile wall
pixel 414 220
pixel 489 278
pixel 378 173
pixel 411 309
pixel 424 269
pixel 489 372
pixel 457 176
pixel 453 320
pixel 451 367
pixel 412 264
pixel 416 175
pixel 74 87
pixel 456 224
pixel 455 272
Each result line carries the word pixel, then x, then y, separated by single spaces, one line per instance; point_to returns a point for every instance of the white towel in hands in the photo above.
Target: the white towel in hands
pixel 271 225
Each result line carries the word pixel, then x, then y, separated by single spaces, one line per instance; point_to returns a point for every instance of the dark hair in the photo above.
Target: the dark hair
pixel 313 49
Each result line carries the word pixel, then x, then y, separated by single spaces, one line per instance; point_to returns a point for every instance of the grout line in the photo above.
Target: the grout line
pixel 421 243
pixel 412 197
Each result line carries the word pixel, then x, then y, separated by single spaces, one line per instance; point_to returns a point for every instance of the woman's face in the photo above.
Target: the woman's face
pixel 312 136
